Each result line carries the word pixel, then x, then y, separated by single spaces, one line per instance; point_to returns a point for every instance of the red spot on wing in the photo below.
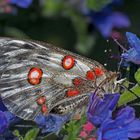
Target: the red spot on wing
pixel 41 100
pixel 98 71
pixel 35 75
pixel 34 81
pixel 44 108
pixel 77 81
pixel 68 62
pixel 72 92
pixel 90 75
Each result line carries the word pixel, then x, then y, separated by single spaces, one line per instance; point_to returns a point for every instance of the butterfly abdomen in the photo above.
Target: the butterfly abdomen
pixel 69 104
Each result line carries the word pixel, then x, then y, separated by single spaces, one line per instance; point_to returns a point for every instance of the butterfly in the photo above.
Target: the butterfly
pixel 39 78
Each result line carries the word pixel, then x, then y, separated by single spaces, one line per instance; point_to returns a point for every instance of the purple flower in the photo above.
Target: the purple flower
pixel 51 123
pixel 3 122
pixel 21 3
pixel 124 126
pixel 2 106
pixel 5 119
pixel 101 109
pixel 117 2
pixel 133 54
pixel 106 20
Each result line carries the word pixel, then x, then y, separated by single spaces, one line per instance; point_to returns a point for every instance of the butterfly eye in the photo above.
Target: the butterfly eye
pixel 68 62
pixel 34 76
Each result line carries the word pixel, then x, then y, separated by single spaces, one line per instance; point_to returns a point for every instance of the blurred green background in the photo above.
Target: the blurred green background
pixel 54 24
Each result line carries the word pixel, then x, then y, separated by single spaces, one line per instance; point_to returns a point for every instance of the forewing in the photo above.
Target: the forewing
pixel 27 100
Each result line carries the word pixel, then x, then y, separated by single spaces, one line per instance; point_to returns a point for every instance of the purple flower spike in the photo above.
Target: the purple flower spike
pixel 101 109
pixel 123 127
pixel 21 3
pixel 133 54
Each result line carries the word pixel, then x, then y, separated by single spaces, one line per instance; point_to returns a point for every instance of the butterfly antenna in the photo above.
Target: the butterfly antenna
pixel 119 65
pixel 124 50
pixel 121 46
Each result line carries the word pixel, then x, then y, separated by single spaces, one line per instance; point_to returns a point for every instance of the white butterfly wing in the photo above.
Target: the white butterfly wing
pixel 27 100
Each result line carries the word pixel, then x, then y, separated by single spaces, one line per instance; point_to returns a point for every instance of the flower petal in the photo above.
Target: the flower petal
pixel 133 40
pixel 51 123
pixel 105 21
pixel 83 134
pixel 126 114
pixel 134 129
pixel 88 127
pixel 123 126
pixel 22 3
pixel 99 110
pixel 3 122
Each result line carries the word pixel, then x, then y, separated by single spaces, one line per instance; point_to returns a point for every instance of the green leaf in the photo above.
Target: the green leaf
pixel 32 134
pixel 53 7
pixel 97 5
pixel 73 128
pixel 127 96
pixel 137 76
pixel 16 133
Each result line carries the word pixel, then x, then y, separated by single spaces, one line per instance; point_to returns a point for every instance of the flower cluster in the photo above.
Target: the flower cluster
pixel 87 131
pixel 121 125
pixel 124 126
pixel 105 19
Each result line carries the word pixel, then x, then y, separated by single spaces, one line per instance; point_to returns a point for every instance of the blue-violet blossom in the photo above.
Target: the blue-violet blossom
pixel 133 54
pixel 101 109
pixel 51 123
pixel 21 3
pixel 121 126
pixel 124 126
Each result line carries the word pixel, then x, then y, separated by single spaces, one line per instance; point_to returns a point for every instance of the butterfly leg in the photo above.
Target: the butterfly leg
pixel 117 84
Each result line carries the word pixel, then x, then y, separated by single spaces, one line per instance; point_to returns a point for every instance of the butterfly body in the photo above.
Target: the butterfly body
pixel 42 79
